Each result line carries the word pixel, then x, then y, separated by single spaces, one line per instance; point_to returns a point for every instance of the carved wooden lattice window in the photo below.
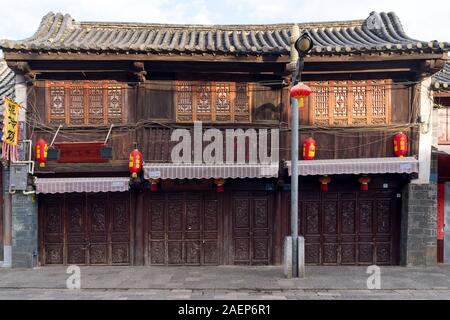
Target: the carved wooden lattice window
pixel 85 102
pixel 343 103
pixel 212 101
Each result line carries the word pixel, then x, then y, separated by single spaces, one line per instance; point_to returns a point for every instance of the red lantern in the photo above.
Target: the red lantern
pixel 299 92
pixel 324 181
pixel 219 185
pixel 41 152
pixel 154 184
pixel 135 164
pixel 400 144
pixel 364 181
pixel 309 149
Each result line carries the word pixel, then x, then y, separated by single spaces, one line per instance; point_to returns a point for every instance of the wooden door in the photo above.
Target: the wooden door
pixel 350 228
pixel 252 214
pixel 182 228
pixel 85 229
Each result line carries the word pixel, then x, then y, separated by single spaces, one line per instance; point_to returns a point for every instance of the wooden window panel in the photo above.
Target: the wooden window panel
pixel 443 128
pixel 212 102
pixel 183 95
pixel 350 103
pixel 85 103
pixel 243 101
pixel 203 104
pixel 57 109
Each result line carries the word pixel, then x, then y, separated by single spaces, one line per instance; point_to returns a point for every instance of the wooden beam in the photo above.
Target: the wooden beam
pixel 25 56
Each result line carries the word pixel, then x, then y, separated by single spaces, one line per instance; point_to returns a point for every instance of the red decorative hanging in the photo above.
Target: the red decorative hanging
pixel 299 92
pixel 135 164
pixel 154 184
pixel 309 149
pixel 324 181
pixel 41 152
pixel 364 181
pixel 219 185
pixel 400 144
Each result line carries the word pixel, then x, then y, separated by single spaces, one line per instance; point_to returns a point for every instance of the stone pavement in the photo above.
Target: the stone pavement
pixel 225 282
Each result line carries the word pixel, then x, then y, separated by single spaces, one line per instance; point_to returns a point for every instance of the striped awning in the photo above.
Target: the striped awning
pixel 356 166
pixel 205 171
pixel 67 185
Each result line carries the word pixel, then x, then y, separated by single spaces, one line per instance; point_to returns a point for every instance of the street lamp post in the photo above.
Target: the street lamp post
pixel 298 92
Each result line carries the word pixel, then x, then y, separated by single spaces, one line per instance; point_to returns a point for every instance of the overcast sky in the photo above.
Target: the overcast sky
pixel 423 20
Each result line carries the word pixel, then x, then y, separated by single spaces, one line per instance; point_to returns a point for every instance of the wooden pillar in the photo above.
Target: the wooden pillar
pixel 277 228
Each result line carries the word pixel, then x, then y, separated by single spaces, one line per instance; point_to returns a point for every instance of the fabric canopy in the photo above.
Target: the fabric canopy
pixel 66 185
pixel 204 171
pixel 356 166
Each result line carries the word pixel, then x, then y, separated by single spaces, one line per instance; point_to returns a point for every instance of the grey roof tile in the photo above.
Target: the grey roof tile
pixel 7 82
pixel 441 80
pixel 379 32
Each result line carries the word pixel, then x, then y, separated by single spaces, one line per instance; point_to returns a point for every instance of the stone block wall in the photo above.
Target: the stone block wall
pixel 24 231
pixel 418 246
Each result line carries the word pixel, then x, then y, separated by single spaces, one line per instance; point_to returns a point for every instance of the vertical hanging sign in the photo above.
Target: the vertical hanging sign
pixel 10 138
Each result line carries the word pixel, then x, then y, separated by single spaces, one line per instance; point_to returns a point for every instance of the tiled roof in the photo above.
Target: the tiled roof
pixel 380 32
pixel 7 80
pixel 441 80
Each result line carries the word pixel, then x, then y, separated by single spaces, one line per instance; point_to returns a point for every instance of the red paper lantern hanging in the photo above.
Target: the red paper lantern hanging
pixel 219 185
pixel 299 92
pixel 41 152
pixel 135 164
pixel 364 181
pixel 309 149
pixel 400 144
pixel 324 181
pixel 154 184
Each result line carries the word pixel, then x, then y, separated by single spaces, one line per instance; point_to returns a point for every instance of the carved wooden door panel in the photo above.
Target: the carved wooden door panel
pixel 348 237
pixel 193 240
pixel 251 221
pixel 77 239
pixel 120 230
pixel 85 229
pixel 349 228
pixel 175 227
pixel 98 229
pixel 182 228
pixel 211 229
pixel 52 229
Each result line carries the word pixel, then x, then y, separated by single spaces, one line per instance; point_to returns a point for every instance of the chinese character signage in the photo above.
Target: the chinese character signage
pixel 10 137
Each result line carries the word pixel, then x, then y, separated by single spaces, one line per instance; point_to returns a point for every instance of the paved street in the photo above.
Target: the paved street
pixel 225 282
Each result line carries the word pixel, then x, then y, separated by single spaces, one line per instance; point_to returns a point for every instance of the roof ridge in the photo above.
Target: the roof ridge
pixel 378 32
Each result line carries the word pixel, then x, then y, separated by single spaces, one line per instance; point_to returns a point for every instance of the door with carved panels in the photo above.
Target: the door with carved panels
pixel 85 229
pixel 183 228
pixel 252 215
pixel 349 228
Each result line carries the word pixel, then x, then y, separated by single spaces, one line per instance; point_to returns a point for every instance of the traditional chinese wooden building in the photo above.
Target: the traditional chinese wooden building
pixel 150 79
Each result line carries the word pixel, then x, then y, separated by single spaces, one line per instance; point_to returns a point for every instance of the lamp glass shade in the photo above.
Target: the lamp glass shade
pixel 304 44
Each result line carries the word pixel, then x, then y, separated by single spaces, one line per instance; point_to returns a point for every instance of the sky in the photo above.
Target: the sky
pixel 420 21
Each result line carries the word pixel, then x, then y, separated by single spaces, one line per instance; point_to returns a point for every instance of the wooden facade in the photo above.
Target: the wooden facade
pixel 228 77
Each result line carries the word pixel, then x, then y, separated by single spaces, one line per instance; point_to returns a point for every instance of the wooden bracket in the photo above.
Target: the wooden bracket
pixel 140 72
pixel 21 67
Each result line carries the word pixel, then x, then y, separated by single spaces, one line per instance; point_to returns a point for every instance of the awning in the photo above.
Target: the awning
pixel 356 166
pixel 66 185
pixel 204 171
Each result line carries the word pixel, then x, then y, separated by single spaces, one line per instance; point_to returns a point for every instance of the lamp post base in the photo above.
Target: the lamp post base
pixel 288 262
